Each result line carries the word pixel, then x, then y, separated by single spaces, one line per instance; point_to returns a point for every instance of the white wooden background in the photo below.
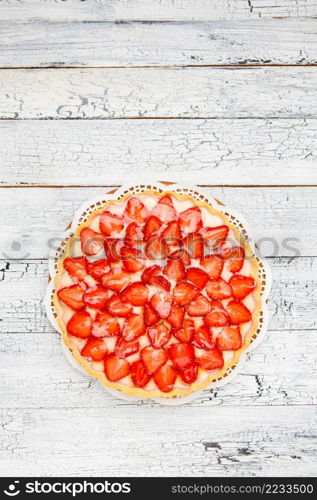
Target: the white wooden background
pixel 99 92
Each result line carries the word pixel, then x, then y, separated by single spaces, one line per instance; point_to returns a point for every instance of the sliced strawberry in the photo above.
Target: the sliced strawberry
pixel 241 285
pixel 181 254
pixel 116 279
pixel 176 316
pixel 186 333
pixel 229 339
pixel 194 244
pixel 164 210
pixel 117 307
pixel 80 324
pixel 190 220
pixel 131 258
pixel 76 267
pixel 98 268
pixel 182 355
pixel 189 375
pixel 162 303
pixel 217 315
pixel 138 373
pixel 151 227
pixel 213 265
pixel 133 235
pixel 172 237
pixel 211 360
pixel 200 306
pixel 159 334
pixel 136 293
pixel 149 271
pixel 175 269
pixel 203 338
pixel 136 210
pixel 160 282
pixel 184 292
pixel 95 349
pixel 124 349
pixel 110 223
pixel 116 368
pixel 234 256
pixel 92 242
pixel 218 289
pixel 133 327
pixel 238 312
pixel 215 236
pixel 97 297
pixel 197 276
pixel 150 316
pixel 153 358
pixel 72 296
pixel 165 378
pixel 155 248
pixel 113 249
pixel 105 325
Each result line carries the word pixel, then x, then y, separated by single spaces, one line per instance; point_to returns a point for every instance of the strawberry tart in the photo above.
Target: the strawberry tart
pixel 157 294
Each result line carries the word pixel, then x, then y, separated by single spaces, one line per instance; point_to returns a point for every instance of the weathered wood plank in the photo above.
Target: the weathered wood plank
pixel 96 10
pixel 46 44
pixel 280 92
pixel 273 375
pixel 292 304
pixel 284 221
pixel 94 152
pixel 132 440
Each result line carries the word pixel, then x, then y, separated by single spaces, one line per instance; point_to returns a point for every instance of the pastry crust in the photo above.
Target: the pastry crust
pixel 216 374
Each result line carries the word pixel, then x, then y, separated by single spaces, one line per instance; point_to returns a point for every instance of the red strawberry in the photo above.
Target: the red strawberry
pixel 181 254
pixel 155 248
pixel 184 292
pixel 189 375
pixel 197 276
pixel 182 355
pixel 176 316
pixel 113 249
pixel 138 373
pixel 162 303
pixel 238 312
pixel 195 245
pixel 72 296
pixel 234 256
pixel 131 259
pixel 153 358
pixel 91 242
pixel 95 349
pixel 116 279
pixel 76 267
pixel 80 324
pixel 105 325
pixel 218 289
pixel 190 220
pixel 125 349
pixel 215 236
pixel 164 210
pixel 110 223
pixel 159 334
pixel 133 235
pixel 203 338
pixel 229 339
pixel 136 210
pixel 98 268
pixel 117 307
pixel 136 293
pixel 149 271
pixel 186 333
pixel 151 227
pixel 213 265
pixel 165 378
pixel 200 306
pixel 133 327
pixel 217 315
pixel 116 368
pixel 160 282
pixel 241 285
pixel 171 237
pixel 175 269
pixel 150 316
pixel 211 360
pixel 97 297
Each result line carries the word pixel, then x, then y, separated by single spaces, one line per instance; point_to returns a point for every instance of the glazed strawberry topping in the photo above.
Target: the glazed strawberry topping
pixel 156 294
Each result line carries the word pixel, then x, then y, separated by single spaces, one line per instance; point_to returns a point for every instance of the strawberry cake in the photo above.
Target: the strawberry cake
pixel 157 294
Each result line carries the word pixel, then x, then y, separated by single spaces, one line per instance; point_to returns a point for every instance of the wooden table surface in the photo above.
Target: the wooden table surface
pixel 221 93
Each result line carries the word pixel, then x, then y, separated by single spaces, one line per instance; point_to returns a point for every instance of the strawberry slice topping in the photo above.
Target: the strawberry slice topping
pixel 184 292
pixel 133 235
pixel 150 271
pixel 181 254
pixel 97 297
pixel 165 378
pixel 116 279
pixel 211 360
pixel 151 227
pixel 110 224
pixel 218 289
pixel 139 375
pixel 229 339
pixel 215 236
pixel 94 349
pixel 175 269
pixel 217 315
pixel 133 327
pixel 172 237
pixel 159 334
pixel 131 259
pixel 160 282
pixel 153 358
pixel 98 268
pixel 80 325
pixel 197 276
pixel 105 325
pixel 116 307
pixel 76 267
pixel 241 285
pixel 182 355
pixel 150 316
pixel 155 248
pixel 92 242
pixel 113 249
pixel 116 368
pixel 136 210
pixel 194 244
pixel 213 265
pixel 234 257
pixel 136 293
pixel 162 303
pixel 238 312
pixel 164 210
pixel 72 296
pixel 186 333
pixel 189 375
pixel 124 349
pixel 190 220
pixel 176 316
pixel 203 338
pixel 200 306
